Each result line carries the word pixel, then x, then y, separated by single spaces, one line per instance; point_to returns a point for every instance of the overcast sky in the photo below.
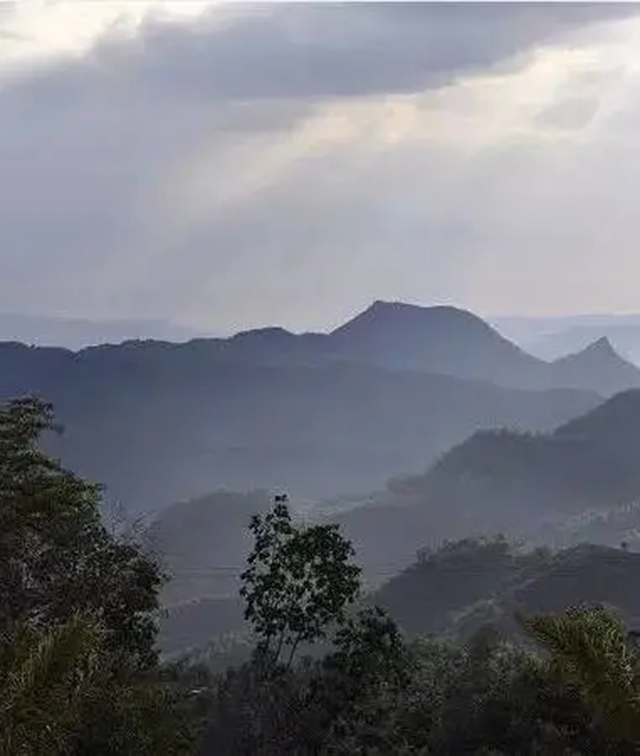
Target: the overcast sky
pixel 226 166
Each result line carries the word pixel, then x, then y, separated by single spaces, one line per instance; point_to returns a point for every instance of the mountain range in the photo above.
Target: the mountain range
pixel 316 414
pixel 443 339
pixel 550 338
pixel 197 436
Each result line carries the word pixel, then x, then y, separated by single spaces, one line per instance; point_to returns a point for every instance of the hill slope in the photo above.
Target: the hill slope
pixel 436 339
pixel 467 584
pixel 455 591
pixel 157 423
pixel 598 366
pixel 506 481
pixel 456 342
pixel 203 544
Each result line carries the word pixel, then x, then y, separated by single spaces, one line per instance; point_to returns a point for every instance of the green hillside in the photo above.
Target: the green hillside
pixel 470 583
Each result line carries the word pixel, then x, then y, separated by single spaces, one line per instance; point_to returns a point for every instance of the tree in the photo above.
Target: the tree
pixel 56 556
pixel 298 586
pixel 78 667
pixel 45 677
pixel 298 583
pixel 591 649
pixel 61 693
pixel 354 700
pixel 491 697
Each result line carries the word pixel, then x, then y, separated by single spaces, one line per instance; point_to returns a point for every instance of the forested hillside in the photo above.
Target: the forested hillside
pixel 527 485
pixel 457 589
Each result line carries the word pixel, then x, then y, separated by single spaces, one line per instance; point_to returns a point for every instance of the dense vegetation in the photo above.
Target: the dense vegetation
pixel 79 673
pixel 374 691
pixel 459 588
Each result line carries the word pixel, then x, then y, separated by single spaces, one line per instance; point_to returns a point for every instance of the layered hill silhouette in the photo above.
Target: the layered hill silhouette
pixel 316 414
pixel 597 366
pixel 453 591
pixel 500 480
pixel 455 342
pixel 579 482
pixel 589 462
pixel 391 335
pixel 467 584
pixel 203 544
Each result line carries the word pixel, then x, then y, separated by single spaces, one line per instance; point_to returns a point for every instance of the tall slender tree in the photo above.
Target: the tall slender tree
pixel 298 583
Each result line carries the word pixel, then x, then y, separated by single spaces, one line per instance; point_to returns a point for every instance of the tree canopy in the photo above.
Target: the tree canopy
pixel 56 555
pixel 298 581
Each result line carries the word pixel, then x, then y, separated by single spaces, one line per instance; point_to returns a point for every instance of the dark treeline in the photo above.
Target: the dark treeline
pixel 329 673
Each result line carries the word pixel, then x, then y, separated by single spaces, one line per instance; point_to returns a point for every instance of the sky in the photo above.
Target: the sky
pixel 230 166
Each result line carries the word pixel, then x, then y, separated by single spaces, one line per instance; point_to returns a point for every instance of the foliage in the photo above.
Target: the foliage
pixel 590 647
pixel 45 678
pixel 374 693
pixel 78 672
pixel 298 582
pixel 491 697
pixel 356 694
pixel 319 706
pixel 56 556
pixel 436 698
pixel 62 693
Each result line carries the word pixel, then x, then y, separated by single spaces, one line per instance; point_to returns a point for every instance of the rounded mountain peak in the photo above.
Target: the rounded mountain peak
pixel 383 315
pixel 270 333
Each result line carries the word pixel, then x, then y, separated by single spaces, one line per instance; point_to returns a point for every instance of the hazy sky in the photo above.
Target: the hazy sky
pixel 226 166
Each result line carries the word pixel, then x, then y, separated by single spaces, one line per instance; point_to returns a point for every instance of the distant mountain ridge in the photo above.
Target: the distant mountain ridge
pixel 318 414
pixel 160 423
pixel 598 366
pixel 551 338
pixel 436 339
pixel 456 342
pixel 440 339
pixel 390 335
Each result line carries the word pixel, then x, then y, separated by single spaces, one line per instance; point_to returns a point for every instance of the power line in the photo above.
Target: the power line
pixel 234 571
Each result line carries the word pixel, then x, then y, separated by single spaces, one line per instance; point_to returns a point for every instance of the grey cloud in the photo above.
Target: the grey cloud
pixel 331 50
pixel 84 143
